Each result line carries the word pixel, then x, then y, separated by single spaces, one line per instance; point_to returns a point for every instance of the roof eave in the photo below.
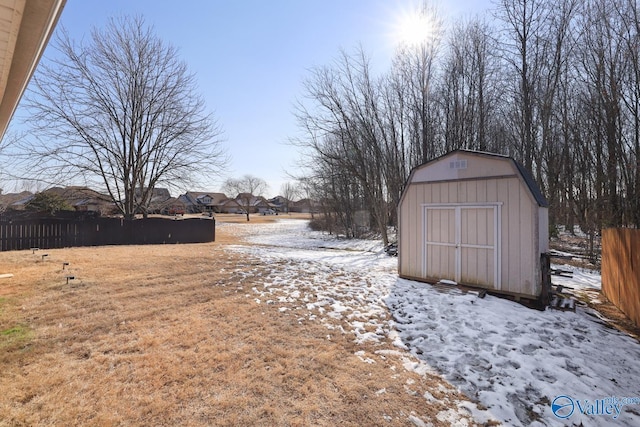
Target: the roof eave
pixel 37 21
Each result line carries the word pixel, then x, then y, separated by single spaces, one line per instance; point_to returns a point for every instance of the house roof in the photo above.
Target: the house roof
pixel 195 197
pixel 15 199
pixel 248 199
pixel 24 34
pixel 160 194
pixel 75 195
pixel 279 200
pixel 301 202
pixel 11 198
pixel 262 202
pixel 171 202
pixel 230 202
pixel 527 177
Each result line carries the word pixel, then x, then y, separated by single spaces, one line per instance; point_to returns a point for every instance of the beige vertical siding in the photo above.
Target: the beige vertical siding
pixel 440 230
pixel 477 228
pixel 518 238
pixel 411 230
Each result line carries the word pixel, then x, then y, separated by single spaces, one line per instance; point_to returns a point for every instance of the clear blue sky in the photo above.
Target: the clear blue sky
pixel 251 58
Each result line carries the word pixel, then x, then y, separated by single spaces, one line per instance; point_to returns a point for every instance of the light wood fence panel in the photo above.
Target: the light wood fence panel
pixel 621 270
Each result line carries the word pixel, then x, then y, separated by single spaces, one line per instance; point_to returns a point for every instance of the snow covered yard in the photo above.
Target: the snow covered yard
pixel 514 361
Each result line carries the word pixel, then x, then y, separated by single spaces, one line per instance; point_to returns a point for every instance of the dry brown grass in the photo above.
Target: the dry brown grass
pixel 615 317
pixel 166 335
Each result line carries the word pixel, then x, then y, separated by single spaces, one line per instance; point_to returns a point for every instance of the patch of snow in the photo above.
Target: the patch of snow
pixel 583 279
pixel 453 417
pixel 418 422
pixel 361 355
pixel 512 360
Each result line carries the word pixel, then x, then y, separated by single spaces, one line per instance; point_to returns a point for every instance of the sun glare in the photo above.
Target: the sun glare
pixel 414 28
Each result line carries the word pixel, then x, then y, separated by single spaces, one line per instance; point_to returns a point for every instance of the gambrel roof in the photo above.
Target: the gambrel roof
pixel 526 176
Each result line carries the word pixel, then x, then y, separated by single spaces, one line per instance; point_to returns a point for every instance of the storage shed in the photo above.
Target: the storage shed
pixel 475 218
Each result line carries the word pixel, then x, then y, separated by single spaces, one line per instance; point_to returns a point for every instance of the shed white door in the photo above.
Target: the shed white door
pixel 461 243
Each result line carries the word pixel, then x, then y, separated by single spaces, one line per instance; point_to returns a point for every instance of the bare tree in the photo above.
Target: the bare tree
pixel 415 68
pixel 308 190
pixel 552 103
pixel 248 189
pixel 525 21
pixel 469 87
pixel 629 13
pixel 121 108
pixel 363 134
pixel 603 64
pixel 557 89
pixel 289 191
pixel 346 134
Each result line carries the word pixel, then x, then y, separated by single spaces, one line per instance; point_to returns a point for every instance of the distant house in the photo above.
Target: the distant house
pixel 172 206
pixel 199 202
pixel 159 197
pixel 230 206
pixel 253 204
pixel 92 205
pixel 262 205
pixel 84 199
pixel 15 201
pixel 157 193
pixel 303 206
pixel 280 203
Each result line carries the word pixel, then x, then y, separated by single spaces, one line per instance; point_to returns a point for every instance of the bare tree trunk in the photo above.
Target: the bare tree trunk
pixel 524 19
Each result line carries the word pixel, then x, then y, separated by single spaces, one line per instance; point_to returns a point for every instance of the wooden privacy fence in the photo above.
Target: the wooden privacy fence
pixel 621 270
pixel 49 233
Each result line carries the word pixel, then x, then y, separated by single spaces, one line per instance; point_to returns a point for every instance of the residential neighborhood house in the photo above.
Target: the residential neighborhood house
pixel 203 202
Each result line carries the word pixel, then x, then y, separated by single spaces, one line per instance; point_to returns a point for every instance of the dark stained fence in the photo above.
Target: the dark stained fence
pixel 621 270
pixel 49 233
